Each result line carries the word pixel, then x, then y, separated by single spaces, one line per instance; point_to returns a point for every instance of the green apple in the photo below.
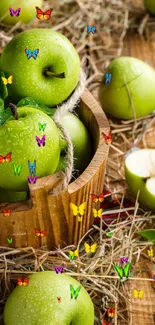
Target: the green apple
pixel 81 140
pixel 27 13
pixel 12 196
pixel 140 175
pixel 50 78
pixel 140 80
pixel 37 303
pixel 150 5
pixel 19 138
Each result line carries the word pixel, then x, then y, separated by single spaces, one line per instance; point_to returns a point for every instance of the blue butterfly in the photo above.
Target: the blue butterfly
pixel 108 78
pixel 91 29
pixel 32 167
pixel 32 54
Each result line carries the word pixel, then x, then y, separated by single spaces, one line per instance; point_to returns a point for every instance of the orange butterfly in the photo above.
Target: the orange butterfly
pixel 7 158
pixel 110 312
pixel 96 198
pixel 107 138
pixel 23 282
pixel 46 15
pixel 40 233
pixel 6 213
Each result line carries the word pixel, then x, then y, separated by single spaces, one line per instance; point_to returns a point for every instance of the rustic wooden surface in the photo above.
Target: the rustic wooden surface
pixel 51 211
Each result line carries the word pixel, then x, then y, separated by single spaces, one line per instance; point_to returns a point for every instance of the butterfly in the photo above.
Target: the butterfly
pixel 40 233
pixel 32 180
pixel 138 294
pixel 74 292
pixel 107 138
pixel 59 269
pixel 73 254
pixel 150 252
pixel 17 169
pixel 108 77
pixel 15 12
pixel 7 158
pixel 91 29
pixel 123 272
pixel 124 259
pixel 31 54
pixel 97 213
pixel 9 240
pixel 106 323
pixel 78 209
pixel 110 312
pixel 46 15
pixel 96 198
pixel 21 282
pixel 109 234
pixel 41 142
pixel 59 299
pixel 90 249
pixel 42 126
pixel 6 213
pixel 32 167
pixel 7 80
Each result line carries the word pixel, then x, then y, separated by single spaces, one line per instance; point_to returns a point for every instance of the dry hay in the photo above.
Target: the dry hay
pixel 112 19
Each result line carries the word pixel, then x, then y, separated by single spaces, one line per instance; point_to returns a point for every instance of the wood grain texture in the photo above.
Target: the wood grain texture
pixel 49 205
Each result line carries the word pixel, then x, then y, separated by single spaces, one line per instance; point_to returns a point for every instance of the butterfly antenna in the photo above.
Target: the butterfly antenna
pixel 13 110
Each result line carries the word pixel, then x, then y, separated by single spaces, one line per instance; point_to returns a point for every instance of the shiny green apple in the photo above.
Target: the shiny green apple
pixel 18 137
pixel 150 5
pixel 115 97
pixel 37 303
pixel 27 13
pixel 140 175
pixel 34 77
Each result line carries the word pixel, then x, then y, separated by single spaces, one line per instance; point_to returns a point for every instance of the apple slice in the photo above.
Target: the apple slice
pixel 140 175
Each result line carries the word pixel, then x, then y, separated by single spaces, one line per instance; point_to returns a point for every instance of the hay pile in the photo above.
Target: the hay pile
pixel 113 19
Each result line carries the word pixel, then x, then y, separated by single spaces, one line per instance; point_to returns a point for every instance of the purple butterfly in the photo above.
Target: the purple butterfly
pixel 14 12
pixel 59 269
pixel 124 260
pixel 41 142
pixel 32 180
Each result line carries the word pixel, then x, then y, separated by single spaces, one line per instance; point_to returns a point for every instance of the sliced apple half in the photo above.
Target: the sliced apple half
pixel 140 176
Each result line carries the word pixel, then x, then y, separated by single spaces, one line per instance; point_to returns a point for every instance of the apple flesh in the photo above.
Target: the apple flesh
pixel 38 304
pixel 20 139
pixel 56 55
pixel 27 13
pixel 140 79
pixel 150 5
pixel 140 175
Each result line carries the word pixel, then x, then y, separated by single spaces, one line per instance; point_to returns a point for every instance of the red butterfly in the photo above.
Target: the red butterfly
pixel 96 198
pixel 107 138
pixel 59 299
pixel 6 213
pixel 110 312
pixel 106 323
pixel 40 233
pixel 7 158
pixel 21 282
pixel 46 15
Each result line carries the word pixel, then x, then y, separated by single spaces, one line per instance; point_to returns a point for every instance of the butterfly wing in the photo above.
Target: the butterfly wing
pixel 11 12
pixel 101 197
pixel 43 233
pixel 141 293
pixel 76 253
pixel 99 213
pixel 2 159
pixel 17 12
pixel 95 213
pixel 10 79
pixel 15 169
pixel 37 232
pixel 82 208
pixel 126 270
pixel 40 13
pixel 93 248
pixel 35 53
pixel 19 282
pixel 25 282
pixel 74 209
pixel 19 169
pixel 8 157
pixel 119 270
pixel 28 53
pixel 5 81
pixel 71 291
pixel 43 140
pixel 47 14
pixel 87 247
pixel 76 292
pixel 94 198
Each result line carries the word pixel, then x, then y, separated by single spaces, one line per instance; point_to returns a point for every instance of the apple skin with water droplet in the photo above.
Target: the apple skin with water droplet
pixel 140 175
pixel 38 304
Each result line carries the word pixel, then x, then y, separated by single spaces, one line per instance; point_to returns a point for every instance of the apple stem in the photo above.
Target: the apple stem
pixel 13 110
pixel 53 74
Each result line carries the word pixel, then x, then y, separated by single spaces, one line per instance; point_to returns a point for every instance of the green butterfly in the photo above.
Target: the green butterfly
pixel 42 126
pixel 9 240
pixel 109 234
pixel 74 292
pixel 17 169
pixel 123 272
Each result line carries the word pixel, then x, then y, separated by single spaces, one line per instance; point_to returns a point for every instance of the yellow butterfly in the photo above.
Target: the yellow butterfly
pixel 7 81
pixel 138 294
pixel 97 213
pixel 90 249
pixel 73 254
pixel 78 209
pixel 150 252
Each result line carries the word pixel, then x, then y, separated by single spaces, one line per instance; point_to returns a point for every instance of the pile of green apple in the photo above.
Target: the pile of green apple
pixel 36 89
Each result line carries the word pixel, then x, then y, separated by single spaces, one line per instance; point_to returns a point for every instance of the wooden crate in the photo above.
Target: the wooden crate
pixel 49 205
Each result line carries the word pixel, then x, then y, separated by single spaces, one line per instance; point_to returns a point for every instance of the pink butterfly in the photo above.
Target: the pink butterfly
pixel 124 259
pixel 32 180
pixel 59 269
pixel 41 142
pixel 14 12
